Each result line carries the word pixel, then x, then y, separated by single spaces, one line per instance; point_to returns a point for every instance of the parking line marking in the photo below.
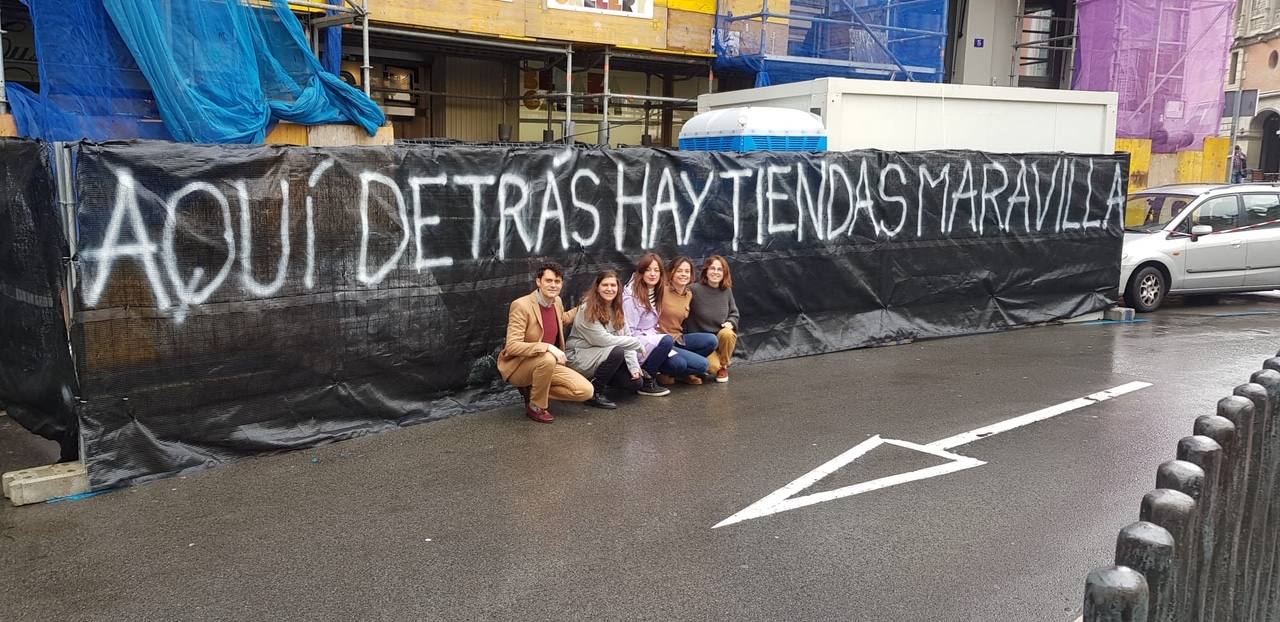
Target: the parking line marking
pixel 784 498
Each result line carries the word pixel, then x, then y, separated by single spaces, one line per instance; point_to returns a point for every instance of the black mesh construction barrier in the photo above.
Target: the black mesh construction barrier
pixel 234 300
pixel 37 380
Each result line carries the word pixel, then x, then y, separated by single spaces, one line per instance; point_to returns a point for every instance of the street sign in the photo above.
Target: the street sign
pixel 1248 103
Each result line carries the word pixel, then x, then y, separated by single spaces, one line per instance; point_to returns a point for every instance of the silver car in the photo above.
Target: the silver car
pixel 1200 238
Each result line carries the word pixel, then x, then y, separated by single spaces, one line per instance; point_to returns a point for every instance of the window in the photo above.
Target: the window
pixel 1258 16
pixel 1149 213
pixel 1261 210
pixel 1231 71
pixel 1221 213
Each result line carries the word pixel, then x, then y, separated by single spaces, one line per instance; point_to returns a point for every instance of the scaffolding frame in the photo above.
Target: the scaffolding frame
pixel 553 54
pixel 345 13
pixel 881 36
pixel 1059 43
pixel 1170 52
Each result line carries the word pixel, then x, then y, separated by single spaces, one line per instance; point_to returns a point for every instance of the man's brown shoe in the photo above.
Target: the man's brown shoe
pixel 665 380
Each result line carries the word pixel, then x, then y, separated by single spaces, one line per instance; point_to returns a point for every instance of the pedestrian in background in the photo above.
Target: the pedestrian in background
pixel 533 357
pixel 1238 164
pixel 691 349
pixel 600 347
pixel 715 312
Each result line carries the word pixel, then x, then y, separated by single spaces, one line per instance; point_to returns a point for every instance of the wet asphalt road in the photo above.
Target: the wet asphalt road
pixel 608 516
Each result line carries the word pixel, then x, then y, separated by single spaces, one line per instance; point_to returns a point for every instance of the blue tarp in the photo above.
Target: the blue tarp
pixel 331 53
pixel 90 87
pixel 217 72
pixel 867 39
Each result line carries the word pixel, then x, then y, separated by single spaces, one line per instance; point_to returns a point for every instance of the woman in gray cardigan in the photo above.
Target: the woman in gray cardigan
pixel 713 310
pixel 600 347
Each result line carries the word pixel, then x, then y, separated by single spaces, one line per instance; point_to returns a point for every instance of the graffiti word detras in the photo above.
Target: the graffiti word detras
pixel 562 207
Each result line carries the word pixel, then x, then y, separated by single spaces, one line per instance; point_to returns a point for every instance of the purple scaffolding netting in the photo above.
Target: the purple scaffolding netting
pixel 1166 58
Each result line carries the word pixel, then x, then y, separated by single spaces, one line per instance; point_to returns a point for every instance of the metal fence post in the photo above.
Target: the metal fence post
pixel 1205 453
pixel 1148 549
pixel 1188 479
pixel 1223 432
pixel 1263 540
pixel 1175 512
pixel 1115 594
pixel 1272 597
pixel 1239 411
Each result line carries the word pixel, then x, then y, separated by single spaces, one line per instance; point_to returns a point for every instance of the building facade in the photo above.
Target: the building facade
pixel 1255 64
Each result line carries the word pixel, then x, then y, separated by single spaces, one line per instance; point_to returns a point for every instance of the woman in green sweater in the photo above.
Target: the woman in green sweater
pixel 714 311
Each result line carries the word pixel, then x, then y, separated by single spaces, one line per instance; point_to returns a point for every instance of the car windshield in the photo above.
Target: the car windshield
pixel 1148 213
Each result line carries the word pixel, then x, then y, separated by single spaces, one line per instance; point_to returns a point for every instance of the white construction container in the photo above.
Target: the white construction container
pixel 914 116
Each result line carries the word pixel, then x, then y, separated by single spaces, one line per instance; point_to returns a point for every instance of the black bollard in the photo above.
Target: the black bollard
pixel 1181 476
pixel 1148 549
pixel 1188 479
pixel 1238 511
pixel 1220 429
pixel 1272 598
pixel 1176 512
pixel 1265 540
pixel 1205 453
pixel 1218 572
pixel 1115 594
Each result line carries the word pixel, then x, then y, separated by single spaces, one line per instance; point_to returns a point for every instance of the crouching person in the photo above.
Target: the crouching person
pixel 533 358
pixel 600 347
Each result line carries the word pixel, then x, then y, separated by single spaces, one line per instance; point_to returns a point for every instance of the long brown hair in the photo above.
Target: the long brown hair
pixel 638 287
pixel 675 265
pixel 607 312
pixel 727 283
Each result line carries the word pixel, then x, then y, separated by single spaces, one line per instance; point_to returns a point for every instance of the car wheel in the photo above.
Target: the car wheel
pixel 1146 289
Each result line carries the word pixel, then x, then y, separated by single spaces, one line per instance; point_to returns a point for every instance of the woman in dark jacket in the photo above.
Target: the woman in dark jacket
pixel 714 311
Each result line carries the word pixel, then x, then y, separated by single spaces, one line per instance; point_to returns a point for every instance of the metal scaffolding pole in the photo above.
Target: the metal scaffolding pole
pixel 365 67
pixel 568 96
pixel 448 38
pixel 604 123
pixel 4 96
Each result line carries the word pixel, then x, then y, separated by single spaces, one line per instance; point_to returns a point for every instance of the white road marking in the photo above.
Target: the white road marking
pixel 782 499
pixel 1039 415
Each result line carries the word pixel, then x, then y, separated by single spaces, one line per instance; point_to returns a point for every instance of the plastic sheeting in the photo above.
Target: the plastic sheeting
pixel 1166 59
pixel 870 39
pixel 331 53
pixel 223 71
pixel 90 86
pixel 37 379
pixel 188 70
pixel 216 319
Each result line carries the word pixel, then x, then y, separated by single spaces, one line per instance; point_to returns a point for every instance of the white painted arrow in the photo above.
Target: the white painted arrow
pixel 782 499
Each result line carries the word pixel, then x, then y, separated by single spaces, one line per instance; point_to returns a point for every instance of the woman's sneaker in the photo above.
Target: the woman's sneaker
pixel 649 387
pixel 722 375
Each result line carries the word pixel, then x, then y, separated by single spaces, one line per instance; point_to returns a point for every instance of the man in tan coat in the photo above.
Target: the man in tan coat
pixel 533 358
